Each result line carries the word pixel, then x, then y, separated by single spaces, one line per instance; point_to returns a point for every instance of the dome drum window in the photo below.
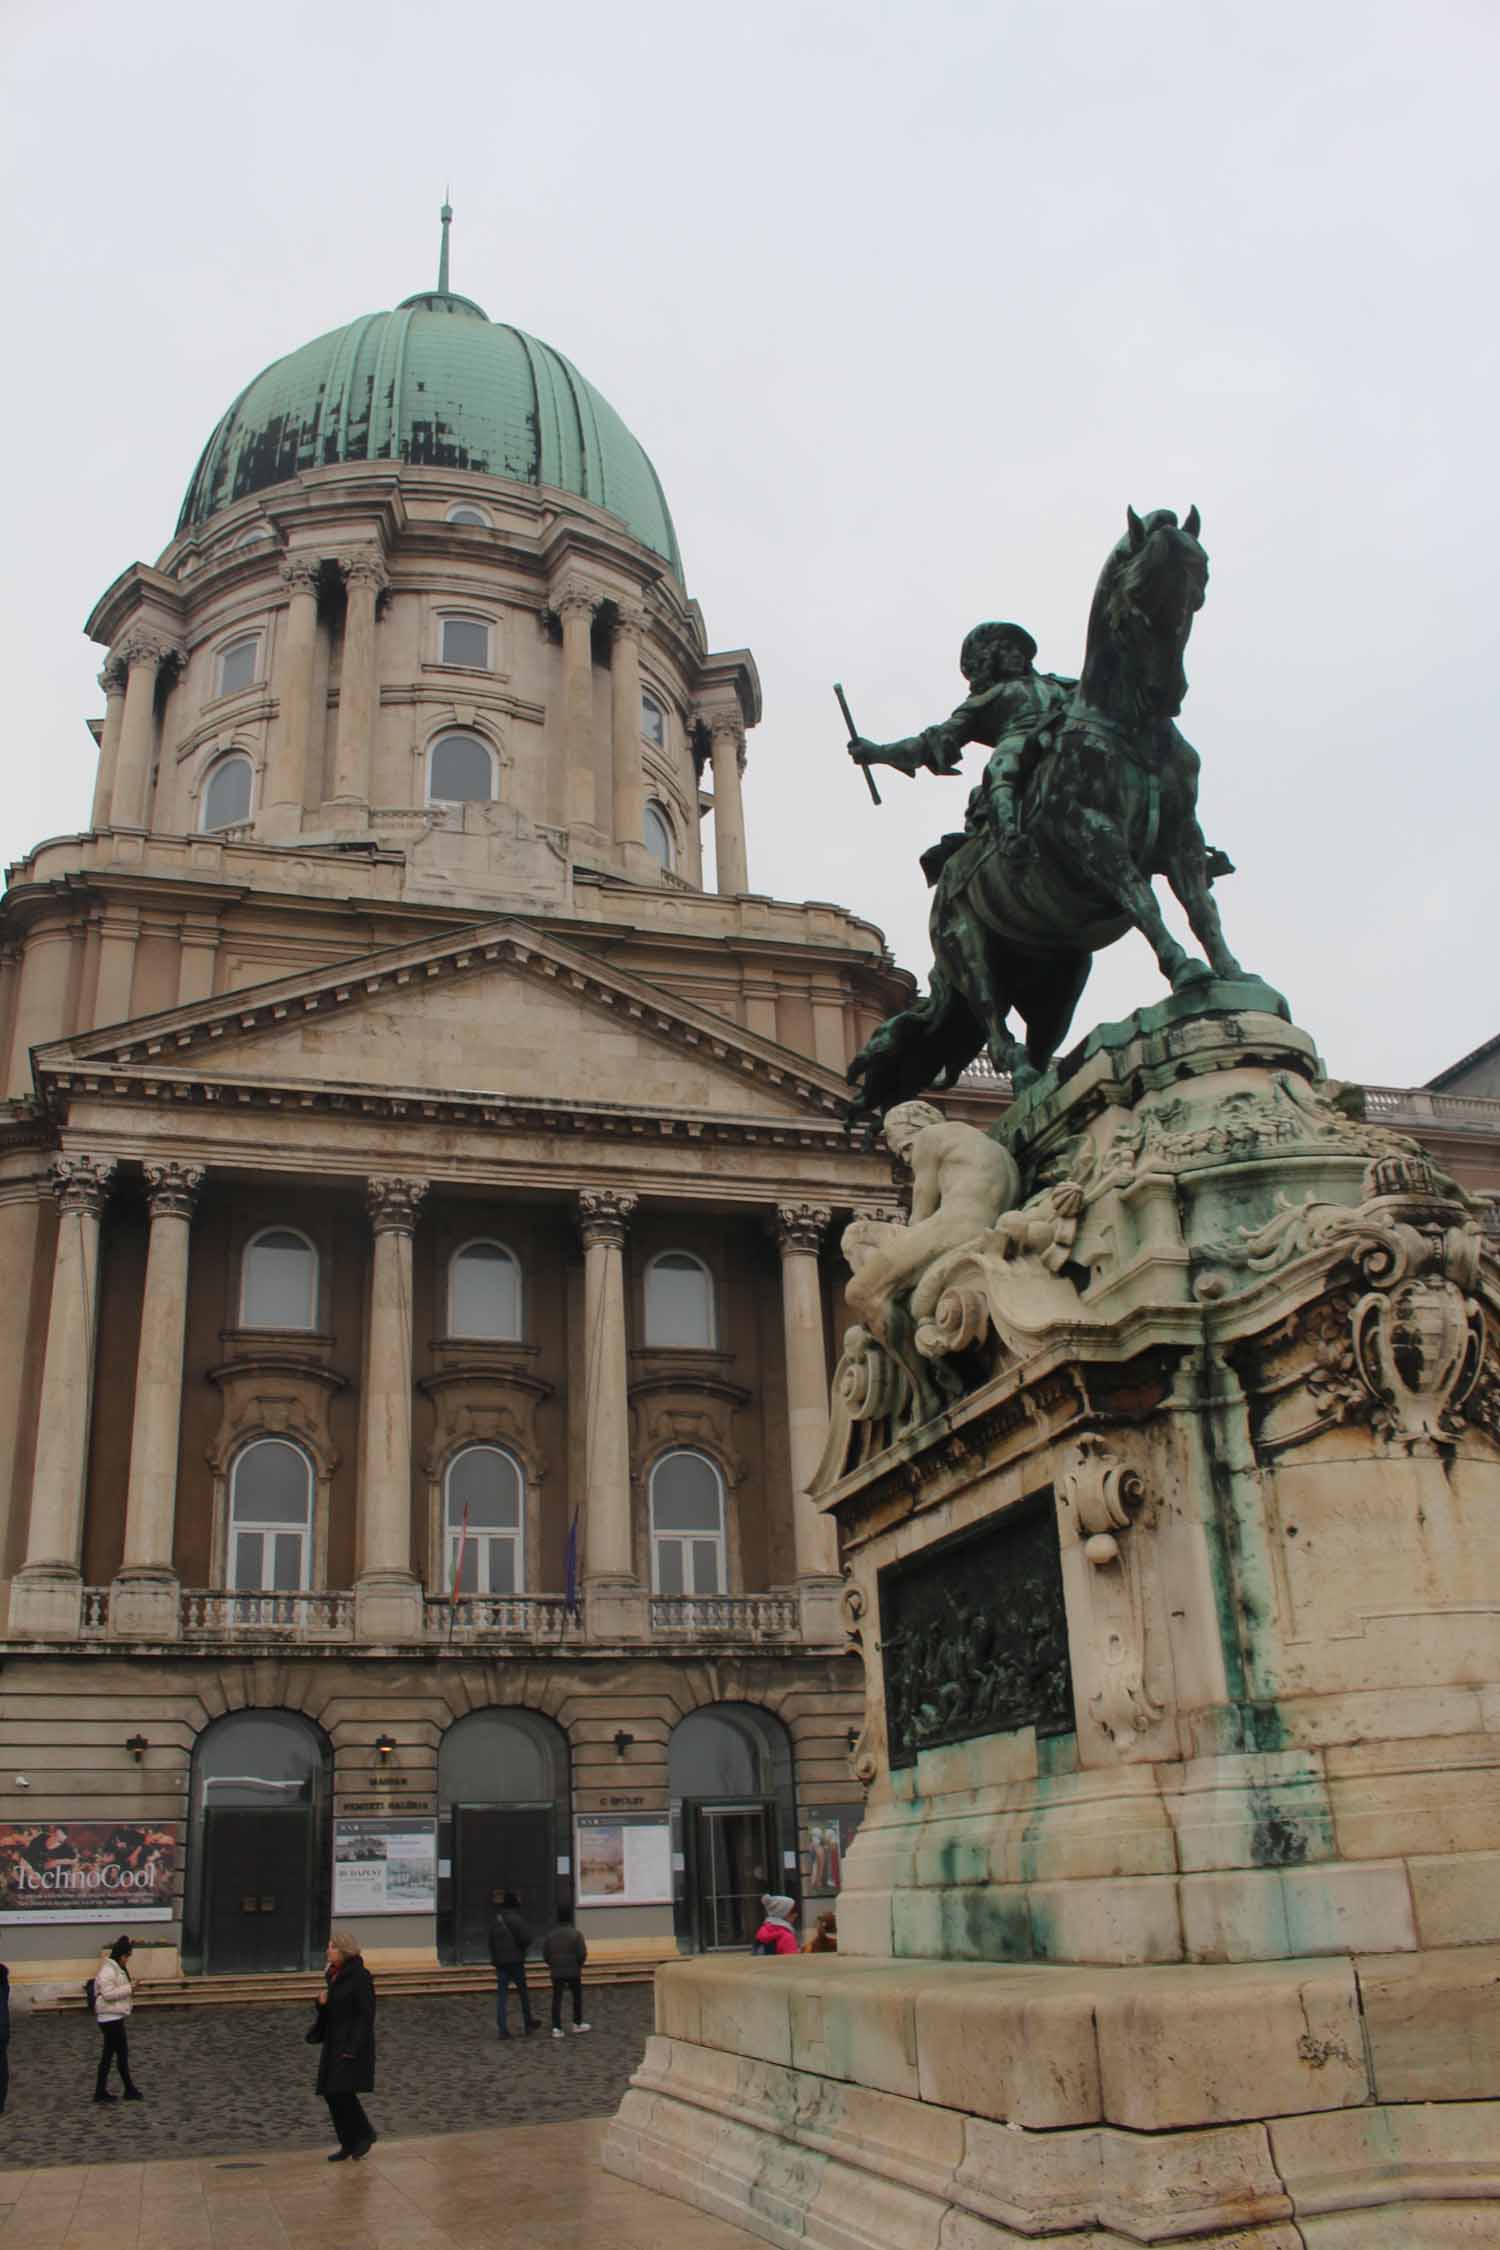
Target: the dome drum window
pixel 483 1516
pixel 227 790
pixel 279 1281
pixel 464 511
pixel 270 1518
pixel 461 770
pixel 687 1526
pixel 654 721
pixel 465 641
pixel 657 830
pixel 239 663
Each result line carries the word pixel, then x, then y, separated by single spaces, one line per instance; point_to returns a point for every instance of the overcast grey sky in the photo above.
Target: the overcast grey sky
pixel 906 302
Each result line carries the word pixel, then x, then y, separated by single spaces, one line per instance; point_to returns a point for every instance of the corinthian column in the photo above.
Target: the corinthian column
pixel 728 738
pixel 144 654
pixel 364 576
pixel 575 604
pixel 46 1597
pixel 800 1228
pixel 112 679
pixel 388 1596
pixel 625 681
pixel 286 776
pixel 143 1599
pixel 609 1560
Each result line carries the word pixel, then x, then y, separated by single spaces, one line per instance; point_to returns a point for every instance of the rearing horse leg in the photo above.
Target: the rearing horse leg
pixel 968 954
pixel 1187 872
pixel 1105 858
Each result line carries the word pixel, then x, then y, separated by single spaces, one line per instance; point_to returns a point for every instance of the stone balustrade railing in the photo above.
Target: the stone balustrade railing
pixel 739 1617
pixel 95 1619
pixel 219 1610
pixel 1414 1105
pixel 499 1617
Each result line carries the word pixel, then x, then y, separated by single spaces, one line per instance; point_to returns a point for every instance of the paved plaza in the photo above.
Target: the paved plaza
pixel 226 2081
pixel 520 2188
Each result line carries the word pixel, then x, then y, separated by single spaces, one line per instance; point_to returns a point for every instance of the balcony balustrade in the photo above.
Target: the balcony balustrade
pixel 477 1618
pixel 220 1611
pixel 718 1617
pixel 473 1621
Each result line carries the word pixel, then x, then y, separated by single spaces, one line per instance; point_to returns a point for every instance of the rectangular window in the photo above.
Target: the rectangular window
pixel 466 640
pixel 689 1566
pixel 237 667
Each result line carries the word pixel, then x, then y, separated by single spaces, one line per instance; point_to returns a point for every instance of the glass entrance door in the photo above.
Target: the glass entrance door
pixel 734 1861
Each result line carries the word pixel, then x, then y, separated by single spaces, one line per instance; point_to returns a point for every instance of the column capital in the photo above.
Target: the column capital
pixel 575 597
pixel 115 673
pixel 802 1226
pixel 603 1216
pixel 394 1202
pixel 81 1183
pixel 300 573
pixel 141 646
pixel 172 1188
pixel 363 566
pixel 726 723
pixel 630 623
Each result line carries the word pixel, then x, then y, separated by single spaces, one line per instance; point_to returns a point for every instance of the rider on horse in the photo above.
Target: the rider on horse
pixel 1007 708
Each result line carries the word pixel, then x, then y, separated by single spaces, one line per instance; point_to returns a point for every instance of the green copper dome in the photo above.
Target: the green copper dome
pixel 437 384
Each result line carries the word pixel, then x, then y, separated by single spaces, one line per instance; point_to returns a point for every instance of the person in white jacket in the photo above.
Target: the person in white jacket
pixel 114 1997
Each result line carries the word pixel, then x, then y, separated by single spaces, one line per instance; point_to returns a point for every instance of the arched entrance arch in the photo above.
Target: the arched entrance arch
pixel 504 1822
pixel 734 1822
pixel 258 1862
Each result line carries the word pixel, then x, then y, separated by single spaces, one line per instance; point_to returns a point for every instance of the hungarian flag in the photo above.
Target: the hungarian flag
pixel 570 1570
pixel 458 1560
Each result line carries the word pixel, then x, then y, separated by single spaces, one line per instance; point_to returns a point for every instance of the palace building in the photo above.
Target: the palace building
pixel 421 1190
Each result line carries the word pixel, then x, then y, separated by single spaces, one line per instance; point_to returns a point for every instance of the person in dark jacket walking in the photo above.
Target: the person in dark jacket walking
pixel 4 2036
pixel 345 2029
pixel 565 1950
pixel 510 1942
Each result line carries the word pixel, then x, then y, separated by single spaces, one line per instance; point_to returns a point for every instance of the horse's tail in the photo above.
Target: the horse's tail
pixel 926 1045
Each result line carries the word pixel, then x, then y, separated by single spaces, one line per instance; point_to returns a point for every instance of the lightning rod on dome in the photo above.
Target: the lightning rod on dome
pixel 447 218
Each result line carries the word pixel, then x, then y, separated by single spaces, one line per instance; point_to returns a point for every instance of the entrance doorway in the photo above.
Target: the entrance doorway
pixel 734 1816
pixel 504 1820
pixel 256 1895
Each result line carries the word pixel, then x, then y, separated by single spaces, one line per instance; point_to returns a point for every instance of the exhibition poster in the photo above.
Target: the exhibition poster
pixel 86 1871
pixel 623 1859
pixel 384 1867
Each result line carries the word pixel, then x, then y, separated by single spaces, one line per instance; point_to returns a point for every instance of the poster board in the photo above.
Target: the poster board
pixel 830 1831
pixel 384 1866
pixel 86 1871
pixel 623 1859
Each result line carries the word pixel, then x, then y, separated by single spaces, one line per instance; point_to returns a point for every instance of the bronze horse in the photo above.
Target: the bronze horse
pixel 1108 800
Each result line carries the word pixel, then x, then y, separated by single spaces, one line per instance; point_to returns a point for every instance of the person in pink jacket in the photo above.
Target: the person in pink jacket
pixel 778 1932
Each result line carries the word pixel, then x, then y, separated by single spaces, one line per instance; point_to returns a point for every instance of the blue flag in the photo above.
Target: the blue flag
pixel 570 1570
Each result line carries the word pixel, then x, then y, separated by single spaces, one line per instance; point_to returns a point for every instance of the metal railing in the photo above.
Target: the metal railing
pixel 498 1617
pixel 208 1613
pixel 739 1617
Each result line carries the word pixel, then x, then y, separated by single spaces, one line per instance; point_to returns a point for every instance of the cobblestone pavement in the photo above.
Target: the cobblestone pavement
pixel 219 2081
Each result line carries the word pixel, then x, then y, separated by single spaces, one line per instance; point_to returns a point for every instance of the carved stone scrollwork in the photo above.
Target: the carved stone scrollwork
pixel 394 1203
pixel 868 1382
pixel 1107 1497
pixel 364 566
pixel 172 1189
pixel 630 623
pixel 575 597
pixel 81 1183
pixel 603 1216
pixel 115 674
pixel 144 647
pixel 299 574
pixel 802 1226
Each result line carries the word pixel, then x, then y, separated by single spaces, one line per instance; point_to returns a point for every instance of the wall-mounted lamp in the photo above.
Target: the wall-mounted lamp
pixel 623 1742
pixel 852 1738
pixel 385 1746
pixel 137 1745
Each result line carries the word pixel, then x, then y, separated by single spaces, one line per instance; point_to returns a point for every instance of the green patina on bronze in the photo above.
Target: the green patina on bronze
pixel 1090 792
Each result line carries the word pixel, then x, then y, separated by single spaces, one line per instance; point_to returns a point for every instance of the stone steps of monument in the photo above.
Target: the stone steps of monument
pixel 637 1966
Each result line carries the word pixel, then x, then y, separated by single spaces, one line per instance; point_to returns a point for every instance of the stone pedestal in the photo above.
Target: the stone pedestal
pixel 1170 1523
pixel 145 1604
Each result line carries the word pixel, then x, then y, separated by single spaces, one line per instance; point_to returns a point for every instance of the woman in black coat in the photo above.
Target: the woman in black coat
pixel 345 2029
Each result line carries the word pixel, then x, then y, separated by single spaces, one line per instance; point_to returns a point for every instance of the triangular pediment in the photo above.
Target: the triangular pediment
pixel 494 1015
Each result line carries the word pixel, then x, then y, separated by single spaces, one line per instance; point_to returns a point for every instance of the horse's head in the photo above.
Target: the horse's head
pixel 1149 590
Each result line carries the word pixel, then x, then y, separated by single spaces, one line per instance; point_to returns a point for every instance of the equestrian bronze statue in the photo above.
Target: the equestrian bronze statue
pixel 1089 792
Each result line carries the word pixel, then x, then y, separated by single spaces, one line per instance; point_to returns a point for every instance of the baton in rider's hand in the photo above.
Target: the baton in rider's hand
pixel 854 737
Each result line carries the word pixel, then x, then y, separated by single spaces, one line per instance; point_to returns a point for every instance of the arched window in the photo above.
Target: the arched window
pixel 484 1292
pixel 270 1518
pixel 680 1302
pixel 464 511
pixel 654 720
pixel 466 640
pixel 237 664
pixel 482 1516
pixel 658 833
pixel 461 771
pixel 279 1285
pixel 254 537
pixel 226 792
pixel 687 1526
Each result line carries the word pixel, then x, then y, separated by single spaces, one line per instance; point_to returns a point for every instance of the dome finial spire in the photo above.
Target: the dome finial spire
pixel 447 218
